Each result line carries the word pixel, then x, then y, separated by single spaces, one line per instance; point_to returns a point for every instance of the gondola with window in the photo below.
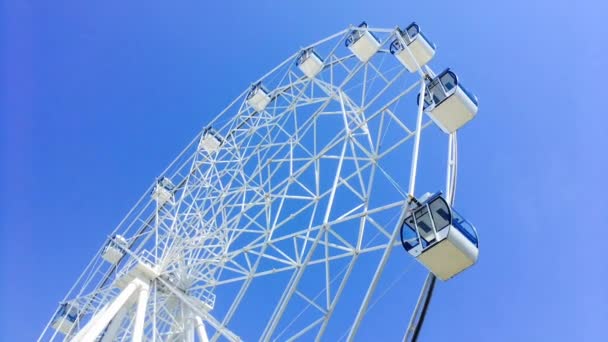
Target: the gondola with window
pixel 258 97
pixel 163 191
pixel 448 103
pixel 115 249
pixel 211 140
pixel 439 238
pixel 309 62
pixel 412 48
pixel 362 42
pixel 65 318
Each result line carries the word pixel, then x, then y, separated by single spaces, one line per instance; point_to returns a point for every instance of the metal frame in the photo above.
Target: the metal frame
pixel 272 203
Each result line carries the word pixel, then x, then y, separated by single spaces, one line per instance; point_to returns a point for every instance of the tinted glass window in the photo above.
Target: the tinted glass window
pixel 438 94
pixel 409 238
pixel 464 227
pixel 441 215
pixel 412 30
pixel 425 226
pixel 427 99
pixel 449 81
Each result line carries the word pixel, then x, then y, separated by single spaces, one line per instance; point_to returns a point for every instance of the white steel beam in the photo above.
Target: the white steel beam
pixel 389 248
pixel 115 325
pixel 140 314
pixel 201 332
pixel 99 322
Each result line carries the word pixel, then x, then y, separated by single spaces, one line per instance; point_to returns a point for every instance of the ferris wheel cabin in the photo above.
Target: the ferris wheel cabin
pixel 362 43
pixel 163 190
pixel 114 249
pixel 65 318
pixel 211 140
pixel 440 238
pixel 448 103
pixel 309 62
pixel 258 97
pixel 412 48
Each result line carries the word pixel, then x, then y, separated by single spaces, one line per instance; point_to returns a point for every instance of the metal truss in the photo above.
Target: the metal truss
pixel 262 237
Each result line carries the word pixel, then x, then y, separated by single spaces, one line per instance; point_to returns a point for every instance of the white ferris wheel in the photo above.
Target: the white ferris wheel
pixel 291 199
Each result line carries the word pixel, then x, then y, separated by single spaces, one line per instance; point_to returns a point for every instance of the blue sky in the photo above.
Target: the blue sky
pixel 86 87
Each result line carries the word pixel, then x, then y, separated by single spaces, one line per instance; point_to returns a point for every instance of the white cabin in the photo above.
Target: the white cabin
pixel 65 318
pixel 362 43
pixel 258 97
pixel 115 249
pixel 412 48
pixel 211 140
pixel 439 238
pixel 163 191
pixel 448 103
pixel 309 62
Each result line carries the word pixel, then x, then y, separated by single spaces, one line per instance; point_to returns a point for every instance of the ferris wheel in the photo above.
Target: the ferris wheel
pixel 278 220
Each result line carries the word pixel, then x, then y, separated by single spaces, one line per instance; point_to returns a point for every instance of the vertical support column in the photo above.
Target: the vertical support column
pixel 389 247
pixel 101 321
pixel 188 319
pixel 86 328
pixel 140 315
pixel 114 326
pixel 200 329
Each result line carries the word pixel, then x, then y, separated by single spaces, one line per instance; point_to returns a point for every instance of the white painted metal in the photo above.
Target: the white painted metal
pixel 113 251
pixel 421 51
pixel 413 52
pixel 140 313
pixel 450 256
pixel 163 191
pixel 449 251
pixel 448 103
pixel 363 43
pixel 210 141
pixel 309 63
pixel 110 334
pixel 258 98
pixel 454 112
pixel 450 191
pixel 387 251
pixel 65 319
pixel 269 197
pixel 200 329
pixel 99 322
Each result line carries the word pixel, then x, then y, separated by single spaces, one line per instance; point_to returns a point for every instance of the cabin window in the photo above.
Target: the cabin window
pixel 441 215
pixel 412 31
pixel 423 221
pixel 464 227
pixel 449 81
pixel 438 94
pixel 409 237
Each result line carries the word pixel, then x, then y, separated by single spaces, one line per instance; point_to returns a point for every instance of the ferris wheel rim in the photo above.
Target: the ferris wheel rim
pixel 219 325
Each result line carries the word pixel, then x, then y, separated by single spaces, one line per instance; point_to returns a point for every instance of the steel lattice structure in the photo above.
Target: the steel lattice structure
pixel 259 238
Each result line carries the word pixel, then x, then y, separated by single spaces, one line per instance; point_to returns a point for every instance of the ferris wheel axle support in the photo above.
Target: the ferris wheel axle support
pixel 114 326
pixel 100 321
pixel 140 316
pixel 389 247
pixel 200 329
pixel 201 313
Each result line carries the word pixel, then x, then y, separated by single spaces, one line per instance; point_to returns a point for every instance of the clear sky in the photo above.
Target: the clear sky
pixel 86 87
